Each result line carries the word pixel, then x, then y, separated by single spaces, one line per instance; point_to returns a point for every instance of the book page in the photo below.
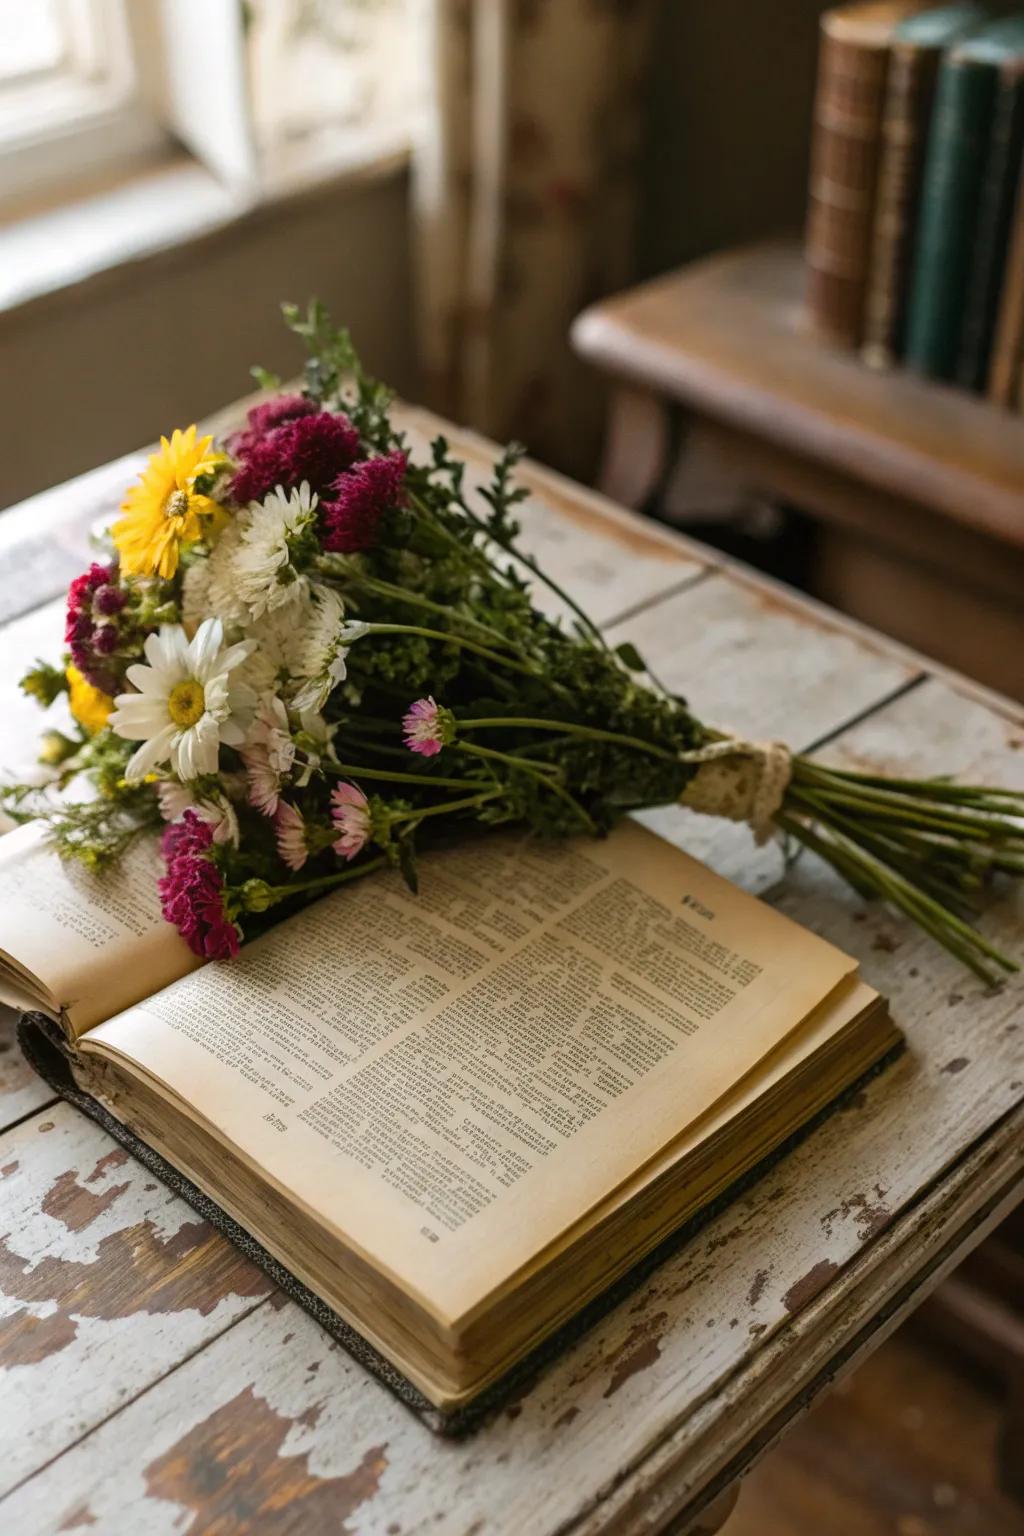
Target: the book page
pixel 94 944
pixel 449 1081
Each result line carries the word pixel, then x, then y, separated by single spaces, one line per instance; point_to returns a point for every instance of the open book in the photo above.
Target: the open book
pixel 455 1119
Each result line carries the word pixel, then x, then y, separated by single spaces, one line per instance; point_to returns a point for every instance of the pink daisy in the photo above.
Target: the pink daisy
pixel 424 728
pixel 350 812
pixel 290 832
pixel 264 784
pixel 268 755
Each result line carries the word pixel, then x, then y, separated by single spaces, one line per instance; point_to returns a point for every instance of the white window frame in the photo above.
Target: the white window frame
pixel 142 79
pixel 81 119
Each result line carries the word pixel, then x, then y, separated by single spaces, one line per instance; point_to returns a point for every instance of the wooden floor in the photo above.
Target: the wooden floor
pixel 905 1447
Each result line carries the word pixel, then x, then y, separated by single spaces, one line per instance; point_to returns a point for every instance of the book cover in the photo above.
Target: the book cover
pixel 1008 341
pixel 916 52
pixel 851 90
pixel 951 195
pixel 995 214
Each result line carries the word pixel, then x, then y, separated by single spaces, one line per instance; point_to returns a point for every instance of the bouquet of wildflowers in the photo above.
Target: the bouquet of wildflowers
pixel 307 657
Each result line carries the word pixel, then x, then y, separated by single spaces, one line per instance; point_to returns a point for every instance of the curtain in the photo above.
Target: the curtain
pixel 525 120
pixel 525 166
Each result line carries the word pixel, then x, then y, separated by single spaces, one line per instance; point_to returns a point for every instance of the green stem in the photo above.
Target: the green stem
pixel 281 892
pixel 902 855
pixel 871 888
pixel 904 811
pixel 932 789
pixel 450 805
pixel 382 749
pixel 569 728
pixel 967 806
pixel 548 775
pixel 950 930
pixel 374 585
pixel 479 557
pixel 473 749
pixel 531 565
pixel 423 780
pixel 449 639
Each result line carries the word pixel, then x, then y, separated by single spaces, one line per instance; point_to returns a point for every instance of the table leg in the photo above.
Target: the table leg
pixel 636 446
pixel 713 1519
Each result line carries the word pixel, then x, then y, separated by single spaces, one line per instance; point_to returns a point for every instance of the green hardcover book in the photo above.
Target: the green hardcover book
pixel 916 51
pixel 954 172
pixel 995 212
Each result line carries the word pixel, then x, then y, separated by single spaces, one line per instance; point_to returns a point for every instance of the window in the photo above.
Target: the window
pixel 70 103
pixel 88 87
pixel 329 73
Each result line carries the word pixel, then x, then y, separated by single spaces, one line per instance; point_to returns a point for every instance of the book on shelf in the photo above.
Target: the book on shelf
pixel 988 260
pixel 1007 364
pixel 452 1125
pixel 916 48
pixel 964 206
pixel 848 107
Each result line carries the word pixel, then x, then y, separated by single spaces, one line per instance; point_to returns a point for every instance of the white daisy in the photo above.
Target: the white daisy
pixel 266 577
pixel 322 649
pixel 208 587
pixel 175 799
pixel 272 666
pixel 187 702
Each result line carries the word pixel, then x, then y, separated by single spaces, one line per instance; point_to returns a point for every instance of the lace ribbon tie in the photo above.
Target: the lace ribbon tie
pixel 740 780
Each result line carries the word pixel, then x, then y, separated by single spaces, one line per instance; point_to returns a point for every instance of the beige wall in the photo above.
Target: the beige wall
pixel 730 115
pixel 100 369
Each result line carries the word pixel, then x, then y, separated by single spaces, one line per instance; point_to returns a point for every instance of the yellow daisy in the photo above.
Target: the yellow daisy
pixel 90 706
pixel 163 511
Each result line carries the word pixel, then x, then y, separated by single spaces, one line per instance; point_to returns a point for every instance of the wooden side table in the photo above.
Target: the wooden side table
pixel 919 488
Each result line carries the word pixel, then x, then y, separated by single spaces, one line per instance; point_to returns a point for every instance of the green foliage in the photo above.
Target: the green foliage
pixel 334 375
pixel 44 683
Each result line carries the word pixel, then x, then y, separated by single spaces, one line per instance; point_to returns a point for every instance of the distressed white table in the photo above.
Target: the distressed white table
pixel 153 1381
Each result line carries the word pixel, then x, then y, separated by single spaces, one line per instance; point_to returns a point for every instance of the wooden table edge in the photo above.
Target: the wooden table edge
pixel 696 1461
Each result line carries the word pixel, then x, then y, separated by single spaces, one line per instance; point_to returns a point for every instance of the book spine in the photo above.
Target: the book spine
pixel 910 93
pixel 954 163
pixel 1008 342
pixel 995 213
pixel 844 160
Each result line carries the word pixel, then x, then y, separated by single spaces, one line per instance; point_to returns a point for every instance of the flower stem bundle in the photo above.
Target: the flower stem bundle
pixel 308 657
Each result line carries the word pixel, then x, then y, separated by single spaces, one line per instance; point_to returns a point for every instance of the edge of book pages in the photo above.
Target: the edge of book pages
pixel 45 1048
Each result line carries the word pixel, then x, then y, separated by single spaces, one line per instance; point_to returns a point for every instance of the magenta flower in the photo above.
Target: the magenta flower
pixel 91 630
pixel 315 448
pixel 357 500
pixel 427 727
pixel 290 832
pixel 263 418
pixel 192 890
pixel 350 812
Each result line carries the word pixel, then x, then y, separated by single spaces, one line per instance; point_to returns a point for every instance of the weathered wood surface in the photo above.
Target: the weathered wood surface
pixel 162 1387
pixel 40 633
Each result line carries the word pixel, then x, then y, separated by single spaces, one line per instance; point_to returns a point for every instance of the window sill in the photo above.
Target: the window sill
pixel 168 206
